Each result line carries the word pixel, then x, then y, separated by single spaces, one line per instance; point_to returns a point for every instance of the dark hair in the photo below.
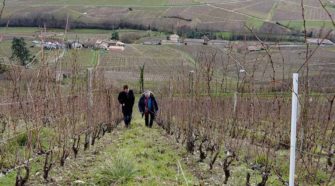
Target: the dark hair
pixel 125 87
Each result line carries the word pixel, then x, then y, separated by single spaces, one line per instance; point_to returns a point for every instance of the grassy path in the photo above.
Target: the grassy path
pixel 141 156
pixel 134 156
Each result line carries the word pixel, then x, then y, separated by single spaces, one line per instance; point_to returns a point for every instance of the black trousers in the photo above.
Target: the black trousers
pixel 127 118
pixel 151 117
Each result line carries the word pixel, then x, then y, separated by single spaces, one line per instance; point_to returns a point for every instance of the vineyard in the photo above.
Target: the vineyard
pixel 247 126
pixel 171 15
pixel 42 117
pixel 230 112
pixel 224 110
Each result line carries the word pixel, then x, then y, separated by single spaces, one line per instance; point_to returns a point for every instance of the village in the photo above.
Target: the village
pixel 76 44
pixel 173 39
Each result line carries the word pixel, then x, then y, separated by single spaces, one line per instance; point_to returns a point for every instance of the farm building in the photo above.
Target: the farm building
pixel 89 43
pixel 194 41
pixel 320 41
pixel 203 41
pixel 76 45
pixel 119 46
pixel 109 45
pixel 100 44
pixel 48 44
pixel 152 42
pixel 174 38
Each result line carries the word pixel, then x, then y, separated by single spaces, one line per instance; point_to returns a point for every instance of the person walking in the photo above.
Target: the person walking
pixel 148 107
pixel 127 99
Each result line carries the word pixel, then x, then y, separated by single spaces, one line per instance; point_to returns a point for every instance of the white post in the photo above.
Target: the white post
pixel 293 127
pixel 235 101
pixel 89 107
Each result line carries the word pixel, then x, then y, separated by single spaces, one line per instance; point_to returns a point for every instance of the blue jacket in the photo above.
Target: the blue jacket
pixel 152 105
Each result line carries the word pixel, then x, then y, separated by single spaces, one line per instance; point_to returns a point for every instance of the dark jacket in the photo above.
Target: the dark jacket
pixel 128 100
pixel 141 104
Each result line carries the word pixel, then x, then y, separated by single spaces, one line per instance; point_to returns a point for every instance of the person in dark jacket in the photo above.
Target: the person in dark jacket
pixel 148 107
pixel 127 99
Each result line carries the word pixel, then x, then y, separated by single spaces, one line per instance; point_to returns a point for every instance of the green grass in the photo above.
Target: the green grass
pixel 8 179
pixel 118 171
pixel 5 49
pixel 254 23
pixel 148 155
pixel 17 146
pixel 18 30
pixel 298 25
pixel 35 167
pixel 224 35
pixel 85 58
pixel 135 156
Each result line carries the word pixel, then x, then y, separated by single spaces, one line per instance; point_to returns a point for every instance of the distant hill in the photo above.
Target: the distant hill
pixel 265 16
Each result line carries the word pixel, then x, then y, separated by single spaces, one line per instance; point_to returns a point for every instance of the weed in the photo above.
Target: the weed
pixel 120 171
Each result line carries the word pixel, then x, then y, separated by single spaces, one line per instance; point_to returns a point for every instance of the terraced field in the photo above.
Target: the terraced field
pixel 167 15
pixel 258 139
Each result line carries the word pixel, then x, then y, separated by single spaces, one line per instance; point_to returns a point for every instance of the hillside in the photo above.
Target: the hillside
pixel 251 107
pixel 266 16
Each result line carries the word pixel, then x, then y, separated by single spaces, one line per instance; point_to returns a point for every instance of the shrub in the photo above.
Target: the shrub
pixel 321 177
pixel 115 35
pixel 22 140
pixel 120 171
pixel 261 160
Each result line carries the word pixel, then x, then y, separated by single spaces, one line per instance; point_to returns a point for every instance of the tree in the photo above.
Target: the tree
pixel 115 35
pixel 142 78
pixel 20 51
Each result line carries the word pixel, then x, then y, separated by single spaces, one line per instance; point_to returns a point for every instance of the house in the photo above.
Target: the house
pixel 319 41
pixel 89 43
pixel 76 45
pixel 152 42
pixel 174 38
pixel 100 44
pixel 49 45
pixel 194 41
pixel 119 46
pixel 110 45
pixel 119 43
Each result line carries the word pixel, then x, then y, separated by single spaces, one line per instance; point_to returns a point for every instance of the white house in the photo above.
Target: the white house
pixel 174 38
pixel 119 46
